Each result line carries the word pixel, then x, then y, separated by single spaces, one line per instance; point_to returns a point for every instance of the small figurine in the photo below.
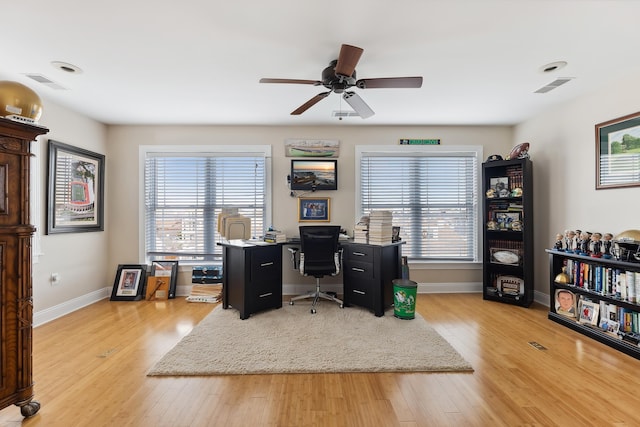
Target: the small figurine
pixel 576 241
pixel 569 237
pixel 558 245
pixel 516 225
pixel 606 245
pixel 585 240
pixel 596 245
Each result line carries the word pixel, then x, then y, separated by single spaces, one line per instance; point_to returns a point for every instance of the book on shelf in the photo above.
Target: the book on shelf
pixel 275 236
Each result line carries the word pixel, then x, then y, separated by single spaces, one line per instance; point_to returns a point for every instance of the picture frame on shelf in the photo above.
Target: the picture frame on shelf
pixel 588 312
pixel 130 282
pixel 565 303
pixel 499 186
pixel 169 270
pixel 314 209
pixel 506 220
pixel 618 152
pixel 75 197
pixel 610 327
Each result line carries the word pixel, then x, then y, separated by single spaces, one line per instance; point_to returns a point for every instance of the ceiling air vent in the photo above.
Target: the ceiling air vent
pixel 45 81
pixel 341 114
pixel 554 84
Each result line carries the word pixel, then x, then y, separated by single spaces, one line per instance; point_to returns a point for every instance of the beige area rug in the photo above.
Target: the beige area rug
pixel 292 340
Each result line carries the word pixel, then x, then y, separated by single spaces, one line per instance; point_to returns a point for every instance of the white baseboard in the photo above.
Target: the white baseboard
pixel 47 315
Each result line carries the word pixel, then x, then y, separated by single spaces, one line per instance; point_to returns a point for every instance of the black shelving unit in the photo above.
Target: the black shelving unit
pixel 508 231
pixel 627 342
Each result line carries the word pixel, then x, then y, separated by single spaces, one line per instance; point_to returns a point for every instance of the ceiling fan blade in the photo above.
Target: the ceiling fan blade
pixel 390 82
pixel 310 103
pixel 358 105
pixel 348 59
pixel 294 81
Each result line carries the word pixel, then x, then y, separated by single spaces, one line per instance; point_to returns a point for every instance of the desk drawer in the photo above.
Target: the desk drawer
pixel 361 294
pixel 265 265
pixel 359 253
pixel 263 298
pixel 359 270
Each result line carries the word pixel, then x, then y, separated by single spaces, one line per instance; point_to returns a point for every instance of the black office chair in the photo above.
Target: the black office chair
pixel 319 257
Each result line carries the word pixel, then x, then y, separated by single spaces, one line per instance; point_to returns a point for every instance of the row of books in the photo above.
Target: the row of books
pixel 515 176
pixel 615 282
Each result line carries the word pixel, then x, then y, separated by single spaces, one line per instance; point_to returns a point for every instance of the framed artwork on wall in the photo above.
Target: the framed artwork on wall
pixel 75 201
pixel 314 209
pixel 618 152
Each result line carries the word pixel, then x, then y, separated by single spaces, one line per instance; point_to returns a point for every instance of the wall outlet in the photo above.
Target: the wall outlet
pixel 55 279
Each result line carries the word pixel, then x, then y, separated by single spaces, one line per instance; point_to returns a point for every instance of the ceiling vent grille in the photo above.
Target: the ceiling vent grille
pixel 45 81
pixel 340 113
pixel 554 84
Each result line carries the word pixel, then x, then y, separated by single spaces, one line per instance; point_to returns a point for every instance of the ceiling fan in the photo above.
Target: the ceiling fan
pixel 340 76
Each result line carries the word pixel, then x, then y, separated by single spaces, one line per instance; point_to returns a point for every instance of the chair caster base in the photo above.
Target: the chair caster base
pixel 290 302
pixel 341 305
pixel 313 311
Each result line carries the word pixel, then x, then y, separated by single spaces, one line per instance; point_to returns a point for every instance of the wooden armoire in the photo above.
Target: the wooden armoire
pixel 16 231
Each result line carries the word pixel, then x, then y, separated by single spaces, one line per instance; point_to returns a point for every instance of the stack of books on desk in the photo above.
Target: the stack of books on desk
pixel 380 227
pixel 275 236
pixel 361 231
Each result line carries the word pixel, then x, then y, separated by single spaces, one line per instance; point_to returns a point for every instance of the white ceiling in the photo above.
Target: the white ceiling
pixel 199 62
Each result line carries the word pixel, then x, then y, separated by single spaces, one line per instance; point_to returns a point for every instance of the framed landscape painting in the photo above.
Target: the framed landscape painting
pixel 618 152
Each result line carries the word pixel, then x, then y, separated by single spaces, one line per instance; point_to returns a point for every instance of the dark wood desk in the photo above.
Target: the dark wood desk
pixel 252 276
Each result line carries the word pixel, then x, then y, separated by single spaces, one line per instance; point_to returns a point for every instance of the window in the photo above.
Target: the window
pixel 432 192
pixel 186 188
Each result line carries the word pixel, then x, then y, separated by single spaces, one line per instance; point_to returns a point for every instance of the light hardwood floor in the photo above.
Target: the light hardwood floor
pixel 90 370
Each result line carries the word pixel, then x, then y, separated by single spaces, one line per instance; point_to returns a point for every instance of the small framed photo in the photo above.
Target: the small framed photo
pixel 130 282
pixel 609 326
pixel 500 186
pixel 167 270
pixel 314 209
pixel 508 220
pixel 565 303
pixel 588 312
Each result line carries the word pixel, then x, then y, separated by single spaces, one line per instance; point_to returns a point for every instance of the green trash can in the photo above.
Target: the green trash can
pixel 404 298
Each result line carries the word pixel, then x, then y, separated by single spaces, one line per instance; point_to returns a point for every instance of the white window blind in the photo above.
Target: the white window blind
pixel 433 196
pixel 185 192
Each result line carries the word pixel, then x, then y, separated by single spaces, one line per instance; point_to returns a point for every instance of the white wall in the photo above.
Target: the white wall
pixel 79 258
pixel 563 151
pixel 123 194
